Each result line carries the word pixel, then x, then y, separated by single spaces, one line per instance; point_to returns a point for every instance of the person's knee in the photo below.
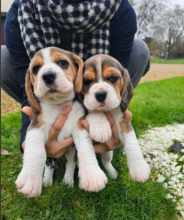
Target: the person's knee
pixel 141 49
pixel 6 66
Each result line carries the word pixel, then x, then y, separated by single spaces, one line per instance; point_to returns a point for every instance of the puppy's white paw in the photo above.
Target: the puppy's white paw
pixel 68 179
pixel 47 181
pixel 69 174
pixel 92 179
pixel 113 173
pixel 48 176
pixel 111 170
pixel 139 171
pixel 29 183
pixel 100 133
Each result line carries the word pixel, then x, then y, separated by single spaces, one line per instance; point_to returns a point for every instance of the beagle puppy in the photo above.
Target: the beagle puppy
pixel 55 75
pixel 107 87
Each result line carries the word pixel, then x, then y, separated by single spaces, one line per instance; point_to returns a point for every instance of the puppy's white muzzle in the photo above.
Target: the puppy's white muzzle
pixel 52 79
pixel 101 96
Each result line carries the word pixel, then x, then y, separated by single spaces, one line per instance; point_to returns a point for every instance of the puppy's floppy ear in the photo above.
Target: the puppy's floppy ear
pixel 78 79
pixel 31 98
pixel 127 91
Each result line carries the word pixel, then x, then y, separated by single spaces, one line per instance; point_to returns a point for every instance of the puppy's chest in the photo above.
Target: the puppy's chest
pixel 117 116
pixel 50 114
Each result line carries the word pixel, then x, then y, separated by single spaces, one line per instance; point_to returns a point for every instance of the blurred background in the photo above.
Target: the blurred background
pixel 161 26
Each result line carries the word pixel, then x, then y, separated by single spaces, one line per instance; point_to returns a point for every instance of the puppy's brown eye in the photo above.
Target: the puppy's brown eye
pixel 35 69
pixel 87 82
pixel 113 79
pixel 63 63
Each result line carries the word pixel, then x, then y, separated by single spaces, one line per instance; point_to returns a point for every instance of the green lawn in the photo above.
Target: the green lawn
pixel 154 103
pixel 160 60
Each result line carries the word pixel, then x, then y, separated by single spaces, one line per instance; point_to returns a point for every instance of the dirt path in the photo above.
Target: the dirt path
pixel 157 72
pixel 163 71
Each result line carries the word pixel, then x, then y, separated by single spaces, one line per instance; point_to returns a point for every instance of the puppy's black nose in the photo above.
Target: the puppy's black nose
pixel 49 77
pixel 101 96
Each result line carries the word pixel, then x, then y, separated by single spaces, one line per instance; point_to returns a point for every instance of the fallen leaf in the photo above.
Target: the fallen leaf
pixel 4 152
pixel 78 204
pixel 152 155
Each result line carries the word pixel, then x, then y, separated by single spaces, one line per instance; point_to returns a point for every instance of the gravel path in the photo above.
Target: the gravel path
pixel 157 72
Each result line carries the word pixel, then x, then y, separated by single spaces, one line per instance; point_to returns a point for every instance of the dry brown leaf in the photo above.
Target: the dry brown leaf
pixel 78 204
pixel 152 156
pixel 4 152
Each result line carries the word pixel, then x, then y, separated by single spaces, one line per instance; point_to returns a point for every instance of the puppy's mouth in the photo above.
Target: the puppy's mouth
pixel 53 90
pixel 102 107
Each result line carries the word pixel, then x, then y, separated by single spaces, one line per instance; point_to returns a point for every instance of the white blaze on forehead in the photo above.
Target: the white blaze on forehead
pixel 99 68
pixel 46 56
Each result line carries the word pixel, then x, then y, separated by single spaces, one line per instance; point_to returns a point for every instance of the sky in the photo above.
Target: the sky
pixel 178 2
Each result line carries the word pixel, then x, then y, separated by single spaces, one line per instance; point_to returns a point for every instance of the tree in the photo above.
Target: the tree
pixel 170 29
pixel 179 49
pixel 153 46
pixel 147 11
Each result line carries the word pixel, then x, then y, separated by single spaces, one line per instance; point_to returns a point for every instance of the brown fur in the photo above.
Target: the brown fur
pixel 56 56
pixel 78 77
pixel 110 67
pixel 34 104
pixel 37 121
pixel 74 70
pixel 125 125
pixel 37 61
pixel 89 74
pixel 109 71
pixel 79 123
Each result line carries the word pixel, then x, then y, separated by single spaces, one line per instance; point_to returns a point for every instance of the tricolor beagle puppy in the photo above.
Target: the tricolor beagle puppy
pixel 56 75
pixel 107 87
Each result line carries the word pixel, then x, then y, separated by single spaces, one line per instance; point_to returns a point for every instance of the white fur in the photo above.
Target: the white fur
pixel 70 167
pixel 138 168
pixel 62 85
pixel 48 176
pixel 110 103
pixel 46 56
pixel 92 178
pixel 29 181
pixel 106 161
pixel 99 129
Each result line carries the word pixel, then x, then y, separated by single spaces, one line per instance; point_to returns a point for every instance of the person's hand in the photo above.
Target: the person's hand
pixel 53 147
pixel 114 141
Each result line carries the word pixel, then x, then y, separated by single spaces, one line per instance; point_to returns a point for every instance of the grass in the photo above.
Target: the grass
pixel 154 103
pixel 161 60
pixel 157 103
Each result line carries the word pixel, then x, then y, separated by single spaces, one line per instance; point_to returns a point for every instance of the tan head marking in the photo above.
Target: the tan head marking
pixel 28 87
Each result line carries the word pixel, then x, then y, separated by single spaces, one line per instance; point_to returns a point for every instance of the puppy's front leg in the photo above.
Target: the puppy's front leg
pixel 29 181
pixel 92 178
pixel 99 127
pixel 138 167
